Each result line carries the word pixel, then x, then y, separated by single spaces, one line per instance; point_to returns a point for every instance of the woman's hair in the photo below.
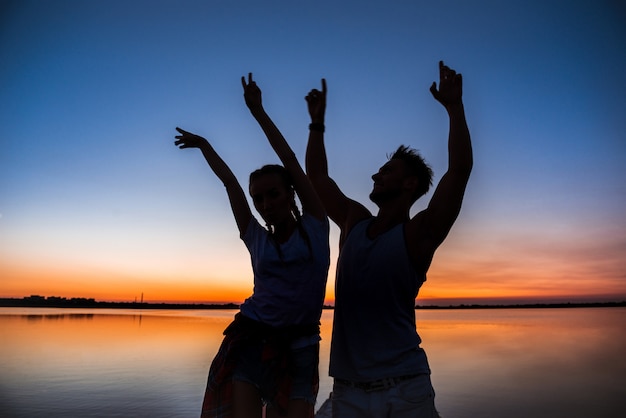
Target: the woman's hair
pixel 287 182
pixel 273 169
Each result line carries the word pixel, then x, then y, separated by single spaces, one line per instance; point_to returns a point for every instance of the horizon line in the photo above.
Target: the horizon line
pixel 35 301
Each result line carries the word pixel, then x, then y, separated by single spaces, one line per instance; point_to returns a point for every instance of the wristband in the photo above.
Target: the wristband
pixel 318 127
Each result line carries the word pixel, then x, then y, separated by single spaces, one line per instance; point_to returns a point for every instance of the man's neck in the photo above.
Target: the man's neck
pixel 388 216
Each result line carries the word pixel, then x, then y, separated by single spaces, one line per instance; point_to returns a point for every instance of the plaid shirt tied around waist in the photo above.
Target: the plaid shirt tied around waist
pixel 218 397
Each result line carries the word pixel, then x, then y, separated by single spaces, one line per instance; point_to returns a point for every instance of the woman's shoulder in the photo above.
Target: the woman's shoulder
pixel 310 221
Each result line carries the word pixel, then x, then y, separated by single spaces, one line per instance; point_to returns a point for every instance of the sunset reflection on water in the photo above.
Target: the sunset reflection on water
pixel 485 363
pixel 527 362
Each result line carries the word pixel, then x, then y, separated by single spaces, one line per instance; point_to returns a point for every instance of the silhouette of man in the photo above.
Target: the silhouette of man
pixel 378 366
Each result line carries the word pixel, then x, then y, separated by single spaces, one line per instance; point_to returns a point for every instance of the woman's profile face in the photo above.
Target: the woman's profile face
pixel 271 198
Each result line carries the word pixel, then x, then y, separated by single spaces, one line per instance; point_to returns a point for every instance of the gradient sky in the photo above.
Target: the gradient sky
pixel 96 201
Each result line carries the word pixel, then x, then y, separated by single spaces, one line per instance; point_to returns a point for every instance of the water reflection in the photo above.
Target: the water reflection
pixel 528 363
pixel 486 363
pixel 81 364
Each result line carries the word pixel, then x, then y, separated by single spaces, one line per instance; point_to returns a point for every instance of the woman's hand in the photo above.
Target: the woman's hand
pixel 189 140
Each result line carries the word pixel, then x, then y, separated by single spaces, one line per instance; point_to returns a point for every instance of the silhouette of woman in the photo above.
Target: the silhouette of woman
pixel 270 352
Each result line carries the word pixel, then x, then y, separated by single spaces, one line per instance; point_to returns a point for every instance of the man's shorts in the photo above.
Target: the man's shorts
pixel 412 397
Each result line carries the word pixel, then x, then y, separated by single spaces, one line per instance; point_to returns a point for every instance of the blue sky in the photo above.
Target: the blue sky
pixel 95 200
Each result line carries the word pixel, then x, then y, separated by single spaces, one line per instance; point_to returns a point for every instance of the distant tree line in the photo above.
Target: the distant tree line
pixel 531 305
pixel 36 301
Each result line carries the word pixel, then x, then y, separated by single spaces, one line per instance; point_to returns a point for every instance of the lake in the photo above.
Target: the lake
pixel 568 362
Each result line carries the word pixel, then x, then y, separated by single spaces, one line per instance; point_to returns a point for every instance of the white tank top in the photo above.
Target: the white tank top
pixel 374 334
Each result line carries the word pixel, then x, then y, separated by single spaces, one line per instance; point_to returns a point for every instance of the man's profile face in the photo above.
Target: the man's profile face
pixel 389 181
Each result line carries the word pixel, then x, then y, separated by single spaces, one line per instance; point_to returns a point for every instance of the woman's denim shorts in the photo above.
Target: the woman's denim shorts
pixel 303 371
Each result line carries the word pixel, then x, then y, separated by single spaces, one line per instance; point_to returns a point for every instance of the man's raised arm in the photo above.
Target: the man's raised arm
pixel 338 206
pixel 445 205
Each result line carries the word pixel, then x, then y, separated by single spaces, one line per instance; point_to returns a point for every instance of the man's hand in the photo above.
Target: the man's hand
pixel 251 93
pixel 450 91
pixel 316 101
pixel 189 140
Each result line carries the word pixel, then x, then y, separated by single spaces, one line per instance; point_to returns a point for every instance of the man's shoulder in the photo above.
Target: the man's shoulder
pixel 419 243
pixel 350 225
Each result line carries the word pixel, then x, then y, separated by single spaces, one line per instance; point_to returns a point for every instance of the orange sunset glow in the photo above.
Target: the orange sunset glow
pixel 454 278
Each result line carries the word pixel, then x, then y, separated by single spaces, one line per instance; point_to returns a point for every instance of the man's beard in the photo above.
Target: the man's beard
pixel 384 196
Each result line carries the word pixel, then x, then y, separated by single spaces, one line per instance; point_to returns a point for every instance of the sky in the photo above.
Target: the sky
pixel 96 201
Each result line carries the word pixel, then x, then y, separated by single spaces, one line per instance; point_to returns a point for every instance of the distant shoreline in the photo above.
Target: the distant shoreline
pixel 61 302
pixel 531 305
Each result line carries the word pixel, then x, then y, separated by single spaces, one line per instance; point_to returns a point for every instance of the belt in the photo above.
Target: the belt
pixel 375 385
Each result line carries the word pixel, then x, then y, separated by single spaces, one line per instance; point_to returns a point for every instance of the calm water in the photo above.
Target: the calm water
pixel 486 363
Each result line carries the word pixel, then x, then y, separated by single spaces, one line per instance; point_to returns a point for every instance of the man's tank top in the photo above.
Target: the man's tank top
pixel 374 333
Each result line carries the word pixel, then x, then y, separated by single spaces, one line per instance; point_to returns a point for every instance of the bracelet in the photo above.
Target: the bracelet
pixel 318 127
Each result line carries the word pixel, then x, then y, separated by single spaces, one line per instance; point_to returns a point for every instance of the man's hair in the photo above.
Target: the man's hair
pixel 417 166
